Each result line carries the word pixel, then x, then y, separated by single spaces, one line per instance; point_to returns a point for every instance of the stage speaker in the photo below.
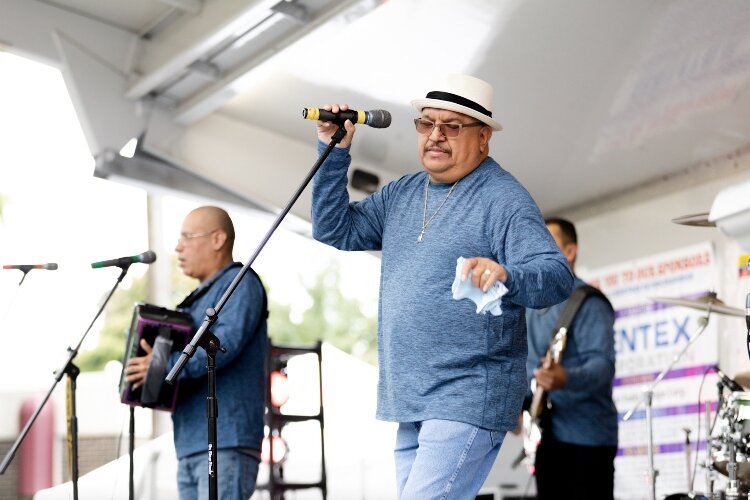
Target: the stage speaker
pixel 364 181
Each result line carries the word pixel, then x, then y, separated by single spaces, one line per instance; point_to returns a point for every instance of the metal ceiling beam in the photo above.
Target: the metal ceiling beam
pixel 27 30
pixel 191 6
pixel 215 95
pixel 168 54
pixel 153 174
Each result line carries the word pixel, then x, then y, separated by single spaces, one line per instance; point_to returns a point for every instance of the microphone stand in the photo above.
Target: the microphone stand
pixel 72 371
pixel 648 394
pixel 25 270
pixel 211 344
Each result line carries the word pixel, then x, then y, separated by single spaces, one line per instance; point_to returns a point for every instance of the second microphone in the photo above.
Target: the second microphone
pixel 146 257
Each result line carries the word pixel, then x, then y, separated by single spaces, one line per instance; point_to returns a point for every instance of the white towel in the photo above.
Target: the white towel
pixel 487 302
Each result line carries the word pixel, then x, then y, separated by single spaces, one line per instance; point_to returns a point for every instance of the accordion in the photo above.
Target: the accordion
pixel 166 331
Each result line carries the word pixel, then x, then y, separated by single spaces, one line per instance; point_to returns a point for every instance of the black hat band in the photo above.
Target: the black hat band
pixel 447 96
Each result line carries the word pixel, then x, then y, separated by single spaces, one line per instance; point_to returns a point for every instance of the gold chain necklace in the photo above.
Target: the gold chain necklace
pixel 425 221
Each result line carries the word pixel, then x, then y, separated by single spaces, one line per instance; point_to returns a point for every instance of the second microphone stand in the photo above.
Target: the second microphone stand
pixel 25 270
pixel 72 371
pixel 211 344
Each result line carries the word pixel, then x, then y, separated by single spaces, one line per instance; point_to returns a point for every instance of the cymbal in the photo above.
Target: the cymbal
pixel 743 378
pixel 699 220
pixel 702 303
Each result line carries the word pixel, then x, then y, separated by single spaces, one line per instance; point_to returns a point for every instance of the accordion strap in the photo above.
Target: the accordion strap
pixel 201 291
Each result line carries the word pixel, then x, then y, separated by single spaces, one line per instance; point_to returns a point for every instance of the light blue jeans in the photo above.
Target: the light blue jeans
pixel 442 459
pixel 237 473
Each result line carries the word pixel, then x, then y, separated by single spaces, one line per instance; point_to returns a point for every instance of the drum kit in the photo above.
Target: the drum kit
pixel 728 442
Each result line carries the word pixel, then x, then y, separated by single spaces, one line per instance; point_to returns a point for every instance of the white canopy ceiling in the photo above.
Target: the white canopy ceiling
pixel 597 97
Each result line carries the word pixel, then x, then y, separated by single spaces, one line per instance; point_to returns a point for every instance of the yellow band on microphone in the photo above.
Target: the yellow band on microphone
pixel 311 113
pixel 314 114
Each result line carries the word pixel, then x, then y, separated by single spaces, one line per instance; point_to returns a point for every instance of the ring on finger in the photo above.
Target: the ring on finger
pixel 487 271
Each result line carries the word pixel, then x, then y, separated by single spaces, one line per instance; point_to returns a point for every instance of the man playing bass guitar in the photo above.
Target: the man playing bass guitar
pixel 575 458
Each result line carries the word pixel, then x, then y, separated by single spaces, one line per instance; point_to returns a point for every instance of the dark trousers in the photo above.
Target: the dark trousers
pixel 565 470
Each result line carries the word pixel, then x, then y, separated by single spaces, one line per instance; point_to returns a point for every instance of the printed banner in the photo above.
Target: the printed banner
pixel 653 336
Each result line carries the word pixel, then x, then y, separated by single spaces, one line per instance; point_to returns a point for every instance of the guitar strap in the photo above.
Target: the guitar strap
pixel 574 303
pixel 576 300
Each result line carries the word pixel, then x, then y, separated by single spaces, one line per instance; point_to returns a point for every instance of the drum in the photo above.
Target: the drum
pixel 166 331
pixel 739 404
pixel 734 418
pixel 721 495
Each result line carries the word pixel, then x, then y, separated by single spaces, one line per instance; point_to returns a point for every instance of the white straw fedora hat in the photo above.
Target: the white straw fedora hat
pixel 462 94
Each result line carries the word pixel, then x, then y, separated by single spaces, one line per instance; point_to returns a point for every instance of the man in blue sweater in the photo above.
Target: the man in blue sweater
pixel 453 378
pixel 204 251
pixel 575 458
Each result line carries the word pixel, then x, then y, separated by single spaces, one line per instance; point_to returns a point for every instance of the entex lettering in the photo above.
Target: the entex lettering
pixel 657 334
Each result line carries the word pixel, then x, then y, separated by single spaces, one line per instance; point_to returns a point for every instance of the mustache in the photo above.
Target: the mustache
pixel 434 145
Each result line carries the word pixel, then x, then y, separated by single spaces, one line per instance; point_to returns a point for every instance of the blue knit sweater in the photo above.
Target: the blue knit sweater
pixel 438 358
pixel 239 372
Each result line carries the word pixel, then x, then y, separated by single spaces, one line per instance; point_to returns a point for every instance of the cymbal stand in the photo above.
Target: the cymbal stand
pixel 688 461
pixel 648 395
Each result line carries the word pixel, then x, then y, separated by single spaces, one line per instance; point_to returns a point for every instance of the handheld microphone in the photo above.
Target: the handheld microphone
pixel 728 382
pixel 146 257
pixel 28 267
pixel 377 118
pixel 747 311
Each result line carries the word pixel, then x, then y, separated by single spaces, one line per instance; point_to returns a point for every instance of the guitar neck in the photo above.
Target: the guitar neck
pixel 538 402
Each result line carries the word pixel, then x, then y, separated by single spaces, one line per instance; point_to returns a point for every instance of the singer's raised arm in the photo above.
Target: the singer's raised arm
pixel 336 221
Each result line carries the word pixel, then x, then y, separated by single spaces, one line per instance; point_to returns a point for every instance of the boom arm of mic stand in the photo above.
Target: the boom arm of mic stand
pixel 13 299
pixel 25 272
pixel 212 314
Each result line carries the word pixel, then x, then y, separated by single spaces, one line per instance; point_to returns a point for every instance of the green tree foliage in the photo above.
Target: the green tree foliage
pixel 117 317
pixel 332 317
pixel 119 314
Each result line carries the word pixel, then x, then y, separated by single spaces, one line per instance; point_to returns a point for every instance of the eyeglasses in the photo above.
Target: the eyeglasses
pixel 449 130
pixel 185 237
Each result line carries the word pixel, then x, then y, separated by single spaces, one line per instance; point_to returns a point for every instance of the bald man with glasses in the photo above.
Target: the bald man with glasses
pixel 204 252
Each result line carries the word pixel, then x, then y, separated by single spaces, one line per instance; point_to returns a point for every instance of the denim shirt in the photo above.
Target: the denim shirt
pixel 583 412
pixel 240 373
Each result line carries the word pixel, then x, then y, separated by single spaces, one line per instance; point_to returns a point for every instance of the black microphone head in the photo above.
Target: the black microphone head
pixel 51 266
pixel 379 118
pixel 147 257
